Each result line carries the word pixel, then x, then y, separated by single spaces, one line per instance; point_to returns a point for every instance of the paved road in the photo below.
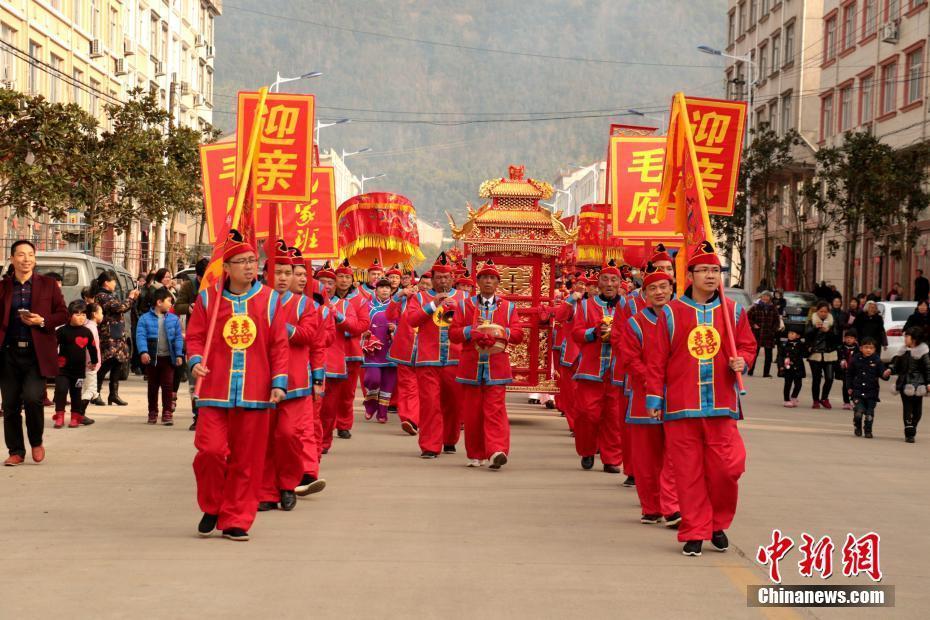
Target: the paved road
pixel 105 528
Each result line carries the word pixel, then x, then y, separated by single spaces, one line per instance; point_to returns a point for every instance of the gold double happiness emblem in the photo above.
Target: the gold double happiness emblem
pixel 703 342
pixel 239 332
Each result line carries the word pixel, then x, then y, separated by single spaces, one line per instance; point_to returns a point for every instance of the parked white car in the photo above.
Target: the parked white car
pixel 894 314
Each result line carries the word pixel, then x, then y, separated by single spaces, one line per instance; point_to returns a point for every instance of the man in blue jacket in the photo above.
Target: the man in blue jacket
pixel 161 349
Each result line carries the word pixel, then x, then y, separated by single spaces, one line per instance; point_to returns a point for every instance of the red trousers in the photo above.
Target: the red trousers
pixel 345 417
pixel 284 458
pixel 487 429
pixel 597 421
pixel 655 480
pixel 708 457
pixel 228 465
pixel 440 407
pixel 310 431
pixel 407 394
pixel 629 450
pixel 565 399
pixel 333 402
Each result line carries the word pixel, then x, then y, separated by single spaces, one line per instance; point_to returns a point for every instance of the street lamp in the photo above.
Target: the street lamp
pixel 319 126
pixel 747 232
pixel 658 119
pixel 596 166
pixel 364 178
pixel 358 152
pixel 278 80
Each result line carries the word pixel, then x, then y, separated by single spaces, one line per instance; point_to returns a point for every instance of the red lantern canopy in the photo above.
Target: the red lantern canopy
pixel 378 225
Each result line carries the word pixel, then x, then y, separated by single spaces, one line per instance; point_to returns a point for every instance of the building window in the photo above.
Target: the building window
pixel 54 90
pixel 730 84
pixel 114 31
pixel 868 18
pixel 95 18
pixel 826 117
pixel 7 60
pixel 731 28
pixel 846 108
pixel 776 47
pixel 740 83
pixel 164 42
pixel 76 12
pixel 829 39
pixel 763 60
pixel 914 86
pixel 892 10
pixel 917 4
pixel 785 113
pixel 889 77
pixel 849 26
pixel 866 97
pixel 764 10
pixel 76 93
pixel 94 89
pixel 35 53
pixel 773 115
pixel 742 18
pixel 789 43
pixel 753 5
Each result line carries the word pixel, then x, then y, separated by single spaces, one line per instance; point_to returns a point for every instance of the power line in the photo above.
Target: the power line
pixel 460 46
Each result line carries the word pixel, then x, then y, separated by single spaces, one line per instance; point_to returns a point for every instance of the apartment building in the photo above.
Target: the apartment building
pixel 777 45
pixel 93 52
pixel 579 186
pixel 874 78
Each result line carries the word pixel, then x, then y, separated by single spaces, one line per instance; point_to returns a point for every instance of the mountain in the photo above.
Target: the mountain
pixel 406 97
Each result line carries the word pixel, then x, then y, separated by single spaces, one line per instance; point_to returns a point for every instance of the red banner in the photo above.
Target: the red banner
pixel 285 155
pixel 218 170
pixel 635 179
pixel 311 226
pixel 718 127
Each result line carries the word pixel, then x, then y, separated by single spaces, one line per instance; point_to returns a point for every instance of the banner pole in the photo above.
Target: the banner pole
pixel 241 188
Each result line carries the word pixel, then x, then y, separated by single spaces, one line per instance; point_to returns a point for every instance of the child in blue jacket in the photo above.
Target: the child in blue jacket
pixel 161 349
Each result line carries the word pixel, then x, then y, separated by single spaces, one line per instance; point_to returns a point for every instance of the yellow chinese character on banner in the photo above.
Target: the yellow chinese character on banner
pixel 710 129
pixel 648 164
pixel 307 239
pixel 711 172
pixel 276 169
pixel 282 122
pixel 229 168
pixel 305 212
pixel 645 208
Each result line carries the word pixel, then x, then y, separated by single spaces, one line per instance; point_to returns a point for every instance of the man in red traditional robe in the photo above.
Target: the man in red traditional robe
pixel 655 482
pixel 702 401
pixel 232 424
pixel 437 357
pixel 597 417
pixel 483 370
pixel 349 293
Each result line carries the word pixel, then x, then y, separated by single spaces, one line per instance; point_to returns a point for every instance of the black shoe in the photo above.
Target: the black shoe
pixel 719 541
pixel 344 434
pixel 207 525
pixel 550 404
pixel 392 410
pixel 448 449
pixel 309 485
pixel 236 533
pixel 692 547
pixel 587 462
pixel 629 482
pixel 858 432
pixel 288 501
pixel 498 460
pixel 192 427
pixel 611 469
pixel 650 519
pixel 909 439
pixel 532 401
pixel 868 434
pixel 426 454
pixel 98 401
pixel 85 421
pixel 673 520
pixel 114 399
pixel 266 506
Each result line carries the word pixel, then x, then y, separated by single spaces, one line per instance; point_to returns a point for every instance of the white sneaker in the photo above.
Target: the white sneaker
pixel 498 460
pixel 474 463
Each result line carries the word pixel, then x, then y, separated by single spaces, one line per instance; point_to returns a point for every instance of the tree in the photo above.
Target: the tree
pixel 766 161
